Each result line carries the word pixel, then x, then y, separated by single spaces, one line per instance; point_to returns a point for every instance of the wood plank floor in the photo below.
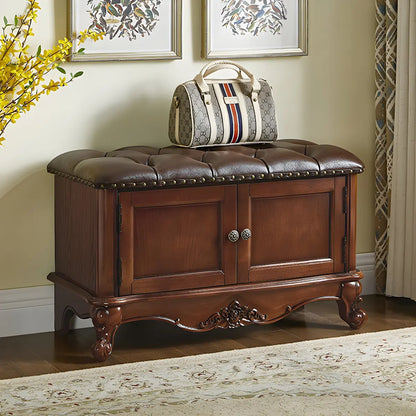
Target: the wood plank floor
pixel 139 341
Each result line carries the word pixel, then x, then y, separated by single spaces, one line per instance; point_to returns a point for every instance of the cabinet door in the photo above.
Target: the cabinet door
pixel 177 239
pixel 297 229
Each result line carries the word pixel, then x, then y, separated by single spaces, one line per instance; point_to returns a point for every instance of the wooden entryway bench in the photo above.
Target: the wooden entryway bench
pixel 207 238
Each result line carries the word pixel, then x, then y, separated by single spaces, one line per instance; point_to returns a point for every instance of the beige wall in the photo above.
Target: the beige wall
pixel 326 96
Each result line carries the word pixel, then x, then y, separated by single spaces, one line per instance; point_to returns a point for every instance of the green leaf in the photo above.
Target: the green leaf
pixel 81 51
pixel 78 74
pixel 16 20
pixel 61 70
pixel 39 51
pixel 5 20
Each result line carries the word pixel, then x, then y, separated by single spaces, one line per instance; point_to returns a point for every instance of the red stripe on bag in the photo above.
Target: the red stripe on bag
pixel 234 121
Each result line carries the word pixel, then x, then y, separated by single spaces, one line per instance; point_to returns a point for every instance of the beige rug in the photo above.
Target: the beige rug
pixel 366 374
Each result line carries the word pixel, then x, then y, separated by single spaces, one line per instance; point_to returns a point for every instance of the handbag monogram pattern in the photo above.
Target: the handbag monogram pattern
pixel 216 112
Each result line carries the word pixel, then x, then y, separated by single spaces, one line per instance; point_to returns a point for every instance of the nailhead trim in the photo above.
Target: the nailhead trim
pixel 193 181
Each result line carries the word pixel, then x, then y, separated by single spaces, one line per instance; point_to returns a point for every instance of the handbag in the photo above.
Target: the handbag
pixel 206 112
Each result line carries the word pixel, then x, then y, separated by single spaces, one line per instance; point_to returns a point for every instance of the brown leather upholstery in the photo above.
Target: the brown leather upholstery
pixel 143 166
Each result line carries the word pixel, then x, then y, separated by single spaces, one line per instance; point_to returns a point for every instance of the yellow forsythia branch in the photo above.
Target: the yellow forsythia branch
pixel 22 74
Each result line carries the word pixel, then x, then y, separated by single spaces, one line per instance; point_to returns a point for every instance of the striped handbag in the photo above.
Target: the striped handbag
pixel 207 112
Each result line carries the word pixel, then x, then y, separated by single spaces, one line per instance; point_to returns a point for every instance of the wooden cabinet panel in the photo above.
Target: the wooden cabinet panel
pixel 177 239
pixel 290 228
pixel 297 229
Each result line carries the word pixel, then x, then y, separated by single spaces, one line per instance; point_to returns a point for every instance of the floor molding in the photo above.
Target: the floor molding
pixel 366 262
pixel 30 310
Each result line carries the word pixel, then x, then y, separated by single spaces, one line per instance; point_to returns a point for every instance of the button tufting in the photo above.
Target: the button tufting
pixel 142 166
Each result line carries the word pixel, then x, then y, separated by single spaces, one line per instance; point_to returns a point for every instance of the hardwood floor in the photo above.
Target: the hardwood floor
pixel 139 341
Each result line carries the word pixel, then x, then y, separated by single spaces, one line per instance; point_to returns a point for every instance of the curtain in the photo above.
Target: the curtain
pixel 386 45
pixel 401 265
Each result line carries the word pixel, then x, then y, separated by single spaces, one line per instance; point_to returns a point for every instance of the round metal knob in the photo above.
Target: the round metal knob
pixel 233 236
pixel 246 234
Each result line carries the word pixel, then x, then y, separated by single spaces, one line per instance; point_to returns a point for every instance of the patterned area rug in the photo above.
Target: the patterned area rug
pixel 366 374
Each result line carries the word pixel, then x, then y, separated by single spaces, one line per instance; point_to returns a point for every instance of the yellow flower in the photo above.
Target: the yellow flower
pixel 89 34
pixel 28 32
pixel 22 72
pixel 13 116
pixel 65 43
pixel 52 86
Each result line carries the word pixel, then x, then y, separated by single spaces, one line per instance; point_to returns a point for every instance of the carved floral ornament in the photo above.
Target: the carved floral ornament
pixel 233 316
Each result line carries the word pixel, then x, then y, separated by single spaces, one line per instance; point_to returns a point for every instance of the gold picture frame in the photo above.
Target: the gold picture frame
pixel 134 30
pixel 257 29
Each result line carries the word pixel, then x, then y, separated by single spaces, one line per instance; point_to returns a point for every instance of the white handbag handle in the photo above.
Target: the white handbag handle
pixel 224 64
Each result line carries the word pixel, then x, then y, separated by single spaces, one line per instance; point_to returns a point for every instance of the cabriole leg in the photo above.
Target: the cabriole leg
pixel 106 322
pixel 348 305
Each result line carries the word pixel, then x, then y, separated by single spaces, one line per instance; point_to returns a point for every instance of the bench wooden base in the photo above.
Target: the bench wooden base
pixel 206 309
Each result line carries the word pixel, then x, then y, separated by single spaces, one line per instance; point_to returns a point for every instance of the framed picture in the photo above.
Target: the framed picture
pixel 254 28
pixel 134 29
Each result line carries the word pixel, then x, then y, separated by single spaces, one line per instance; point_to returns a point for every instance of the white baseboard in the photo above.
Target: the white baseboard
pixel 366 262
pixel 30 310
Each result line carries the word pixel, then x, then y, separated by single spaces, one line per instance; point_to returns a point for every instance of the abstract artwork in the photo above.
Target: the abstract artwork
pixel 133 29
pixel 247 28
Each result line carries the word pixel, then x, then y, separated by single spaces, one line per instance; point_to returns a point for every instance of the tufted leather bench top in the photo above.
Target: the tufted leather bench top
pixel 141 167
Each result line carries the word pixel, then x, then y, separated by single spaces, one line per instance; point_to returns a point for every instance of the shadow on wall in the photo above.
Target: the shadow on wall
pixel 26 232
pixel 61 9
pixel 196 12
pixel 142 121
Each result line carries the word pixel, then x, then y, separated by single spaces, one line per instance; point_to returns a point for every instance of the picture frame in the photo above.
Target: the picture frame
pixel 134 30
pixel 256 28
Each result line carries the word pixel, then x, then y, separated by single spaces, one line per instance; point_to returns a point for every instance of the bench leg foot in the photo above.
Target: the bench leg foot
pixel 348 305
pixel 106 321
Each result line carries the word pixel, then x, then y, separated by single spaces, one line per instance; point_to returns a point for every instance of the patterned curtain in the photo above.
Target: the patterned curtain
pixel 386 49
